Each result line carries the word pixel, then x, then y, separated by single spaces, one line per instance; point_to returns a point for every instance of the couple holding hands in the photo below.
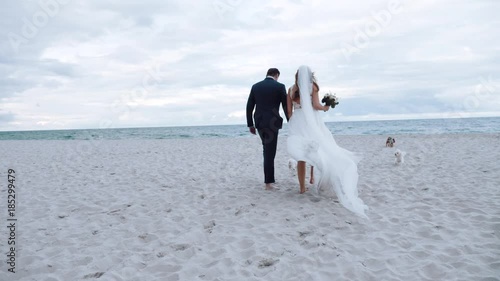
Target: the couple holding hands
pixel 309 140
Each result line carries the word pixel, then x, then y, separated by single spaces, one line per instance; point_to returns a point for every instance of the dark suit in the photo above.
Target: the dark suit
pixel 266 97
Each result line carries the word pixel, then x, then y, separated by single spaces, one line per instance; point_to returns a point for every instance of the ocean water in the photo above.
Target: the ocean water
pixel 392 127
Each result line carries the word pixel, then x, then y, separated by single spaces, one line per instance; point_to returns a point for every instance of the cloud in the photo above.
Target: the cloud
pixel 6 117
pixel 162 63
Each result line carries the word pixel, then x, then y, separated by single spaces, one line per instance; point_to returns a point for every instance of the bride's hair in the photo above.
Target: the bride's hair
pixel 296 95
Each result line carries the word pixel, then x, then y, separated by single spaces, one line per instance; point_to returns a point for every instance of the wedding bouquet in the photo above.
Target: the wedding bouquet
pixel 330 99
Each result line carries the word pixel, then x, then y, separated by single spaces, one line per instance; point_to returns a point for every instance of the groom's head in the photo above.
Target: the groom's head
pixel 274 72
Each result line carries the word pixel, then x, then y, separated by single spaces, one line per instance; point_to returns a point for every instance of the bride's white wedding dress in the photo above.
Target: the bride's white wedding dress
pixel 310 141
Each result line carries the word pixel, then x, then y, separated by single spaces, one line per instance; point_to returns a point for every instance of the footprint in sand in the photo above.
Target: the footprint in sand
pixel 209 226
pixel 245 243
pixel 303 234
pixel 94 275
pixel 268 262
pixel 183 251
pixel 148 237
pixel 180 247
pixel 315 199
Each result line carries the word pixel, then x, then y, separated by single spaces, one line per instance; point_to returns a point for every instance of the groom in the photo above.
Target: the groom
pixel 266 97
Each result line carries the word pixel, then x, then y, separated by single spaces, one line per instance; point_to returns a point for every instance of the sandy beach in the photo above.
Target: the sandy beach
pixel 196 209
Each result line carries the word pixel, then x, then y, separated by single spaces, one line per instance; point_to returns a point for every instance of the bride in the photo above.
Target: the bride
pixel 310 141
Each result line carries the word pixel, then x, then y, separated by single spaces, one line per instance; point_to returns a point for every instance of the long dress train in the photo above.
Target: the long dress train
pixel 311 141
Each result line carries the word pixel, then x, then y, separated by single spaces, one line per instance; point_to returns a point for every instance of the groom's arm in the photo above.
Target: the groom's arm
pixel 284 102
pixel 250 108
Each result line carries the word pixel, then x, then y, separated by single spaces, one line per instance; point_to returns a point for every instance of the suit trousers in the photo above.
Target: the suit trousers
pixel 269 139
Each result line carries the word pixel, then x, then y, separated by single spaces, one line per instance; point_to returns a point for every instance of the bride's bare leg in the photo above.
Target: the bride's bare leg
pixel 311 180
pixel 301 175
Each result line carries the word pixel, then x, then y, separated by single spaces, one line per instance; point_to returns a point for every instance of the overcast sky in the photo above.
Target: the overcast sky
pixel 126 63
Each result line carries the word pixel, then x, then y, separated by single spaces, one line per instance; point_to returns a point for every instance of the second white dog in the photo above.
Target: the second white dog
pixel 400 157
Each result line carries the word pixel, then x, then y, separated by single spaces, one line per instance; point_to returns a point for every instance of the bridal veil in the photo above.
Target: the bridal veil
pixel 311 141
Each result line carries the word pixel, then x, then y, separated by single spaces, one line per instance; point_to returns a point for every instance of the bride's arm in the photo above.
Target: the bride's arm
pixel 289 103
pixel 315 100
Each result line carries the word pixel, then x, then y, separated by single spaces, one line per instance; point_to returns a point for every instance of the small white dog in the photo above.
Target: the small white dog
pixel 400 157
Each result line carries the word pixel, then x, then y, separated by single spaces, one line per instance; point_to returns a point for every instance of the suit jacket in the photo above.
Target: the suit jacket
pixel 266 97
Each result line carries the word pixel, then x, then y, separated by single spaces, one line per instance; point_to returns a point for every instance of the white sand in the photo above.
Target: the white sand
pixel 196 210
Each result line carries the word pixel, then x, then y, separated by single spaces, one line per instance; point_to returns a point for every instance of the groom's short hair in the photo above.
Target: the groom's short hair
pixel 273 72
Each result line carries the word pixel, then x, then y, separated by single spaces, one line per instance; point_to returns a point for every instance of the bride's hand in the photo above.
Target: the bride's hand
pixel 326 108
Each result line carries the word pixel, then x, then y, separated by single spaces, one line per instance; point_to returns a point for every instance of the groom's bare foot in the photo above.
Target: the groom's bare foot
pixel 269 186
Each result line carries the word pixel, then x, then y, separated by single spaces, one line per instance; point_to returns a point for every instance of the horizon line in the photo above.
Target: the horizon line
pixel 243 124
